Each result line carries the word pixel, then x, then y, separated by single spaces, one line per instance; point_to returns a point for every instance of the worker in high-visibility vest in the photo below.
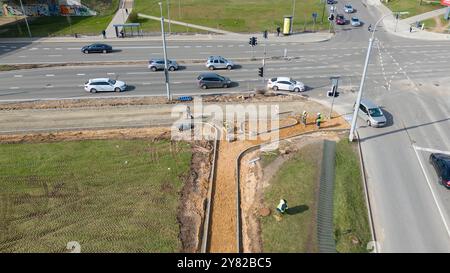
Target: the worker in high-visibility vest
pixel 282 206
pixel 318 120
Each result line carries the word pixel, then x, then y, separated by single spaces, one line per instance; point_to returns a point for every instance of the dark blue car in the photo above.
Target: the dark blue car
pixel 441 163
pixel 96 48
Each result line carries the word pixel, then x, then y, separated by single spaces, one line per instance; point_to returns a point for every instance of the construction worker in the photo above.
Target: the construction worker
pixel 318 120
pixel 304 117
pixel 282 206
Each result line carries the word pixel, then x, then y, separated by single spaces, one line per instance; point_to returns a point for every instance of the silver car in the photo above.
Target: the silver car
pixel 218 62
pixel 158 64
pixel 371 113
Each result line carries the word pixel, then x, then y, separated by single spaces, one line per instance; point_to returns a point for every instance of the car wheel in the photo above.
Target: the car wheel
pixel 275 88
pixel 229 67
pixel 369 123
pixel 296 89
pixel 93 90
pixel 153 68
pixel 171 68
pixel 225 86
pixel 211 67
pixel 117 89
pixel 204 86
pixel 86 51
pixel 104 51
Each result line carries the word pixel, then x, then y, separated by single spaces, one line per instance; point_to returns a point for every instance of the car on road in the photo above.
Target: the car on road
pixel 285 83
pixel 158 64
pixel 212 80
pixel 96 48
pixel 340 19
pixel 104 85
pixel 371 113
pixel 218 62
pixel 441 164
pixel 348 8
pixel 355 22
pixel 330 2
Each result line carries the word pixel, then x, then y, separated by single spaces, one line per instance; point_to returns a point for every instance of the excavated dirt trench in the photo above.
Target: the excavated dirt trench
pixel 222 232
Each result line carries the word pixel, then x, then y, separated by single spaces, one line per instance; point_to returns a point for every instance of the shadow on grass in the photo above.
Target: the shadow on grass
pixel 297 209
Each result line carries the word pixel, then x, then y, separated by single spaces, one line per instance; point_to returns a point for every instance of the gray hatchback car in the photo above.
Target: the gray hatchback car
pixel 218 62
pixel 371 113
pixel 211 80
pixel 158 64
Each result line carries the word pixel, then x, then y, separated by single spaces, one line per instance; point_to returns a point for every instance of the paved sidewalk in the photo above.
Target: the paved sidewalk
pixel 424 16
pixel 401 28
pixel 125 8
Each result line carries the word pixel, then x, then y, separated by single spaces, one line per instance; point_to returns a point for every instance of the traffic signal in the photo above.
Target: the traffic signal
pixel 333 92
pixel 261 72
pixel 331 18
pixel 253 41
pixel 265 34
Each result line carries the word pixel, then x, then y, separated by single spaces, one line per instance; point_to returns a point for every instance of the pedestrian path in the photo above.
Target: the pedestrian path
pixel 125 8
pixel 424 16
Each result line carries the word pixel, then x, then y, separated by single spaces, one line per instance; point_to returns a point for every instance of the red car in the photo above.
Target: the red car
pixel 340 19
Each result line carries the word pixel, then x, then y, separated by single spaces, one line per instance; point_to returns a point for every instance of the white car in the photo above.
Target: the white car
pixel 355 22
pixel 104 84
pixel 348 8
pixel 285 83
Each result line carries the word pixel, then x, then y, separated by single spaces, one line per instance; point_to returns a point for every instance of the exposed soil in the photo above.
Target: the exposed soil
pixel 191 212
pixel 440 28
pixel 254 179
pixel 250 97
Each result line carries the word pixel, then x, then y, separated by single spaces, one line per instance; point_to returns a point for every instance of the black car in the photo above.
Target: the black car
pixel 208 80
pixel 441 163
pixel 96 48
pixel 330 2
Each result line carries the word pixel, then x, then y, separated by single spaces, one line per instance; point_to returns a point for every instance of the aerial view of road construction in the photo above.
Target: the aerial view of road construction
pixel 207 128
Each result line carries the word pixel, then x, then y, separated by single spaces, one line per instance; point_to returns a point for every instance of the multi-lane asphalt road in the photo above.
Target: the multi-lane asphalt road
pixel 406 77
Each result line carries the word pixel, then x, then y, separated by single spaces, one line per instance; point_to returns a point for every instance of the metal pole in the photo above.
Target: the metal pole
pixel 293 14
pixel 323 10
pixel 264 64
pixel 166 71
pixel 361 86
pixel 179 8
pixel 168 16
pixel 26 21
pixel 331 109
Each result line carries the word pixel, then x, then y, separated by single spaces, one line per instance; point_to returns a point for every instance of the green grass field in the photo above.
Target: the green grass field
pixel 62 25
pixel 412 6
pixel 108 195
pixel 295 181
pixel 350 212
pixel 233 15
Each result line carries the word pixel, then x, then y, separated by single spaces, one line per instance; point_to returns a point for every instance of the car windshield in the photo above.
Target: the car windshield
pixel 340 17
pixel 112 82
pixel 375 112
pixel 355 19
pixel 293 82
pixel 348 6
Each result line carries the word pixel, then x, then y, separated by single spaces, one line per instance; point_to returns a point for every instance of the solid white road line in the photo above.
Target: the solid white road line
pixel 432 150
pixel 14 87
pixel 432 191
pixel 50 75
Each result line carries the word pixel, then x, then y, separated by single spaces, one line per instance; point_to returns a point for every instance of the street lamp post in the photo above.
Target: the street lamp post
pixel 293 15
pixel 166 71
pixel 363 78
pixel 168 16
pixel 26 20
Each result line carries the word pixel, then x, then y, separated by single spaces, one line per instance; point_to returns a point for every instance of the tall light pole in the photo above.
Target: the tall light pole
pixel 363 78
pixel 166 71
pixel 293 14
pixel 26 21
pixel 168 16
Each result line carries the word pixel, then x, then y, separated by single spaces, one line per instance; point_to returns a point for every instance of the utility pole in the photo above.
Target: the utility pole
pixel 293 15
pixel 26 20
pixel 168 16
pixel 166 71
pixel 323 10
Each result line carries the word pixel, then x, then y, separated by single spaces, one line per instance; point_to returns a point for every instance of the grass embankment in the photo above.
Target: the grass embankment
pixel 108 195
pixel 438 24
pixel 351 225
pixel 233 15
pixel 413 6
pixel 296 181
pixel 65 25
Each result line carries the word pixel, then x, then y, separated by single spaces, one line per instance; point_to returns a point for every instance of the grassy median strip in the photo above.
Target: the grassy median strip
pixel 297 182
pixel 352 232
pixel 108 195
pixel 233 15
pixel 46 26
